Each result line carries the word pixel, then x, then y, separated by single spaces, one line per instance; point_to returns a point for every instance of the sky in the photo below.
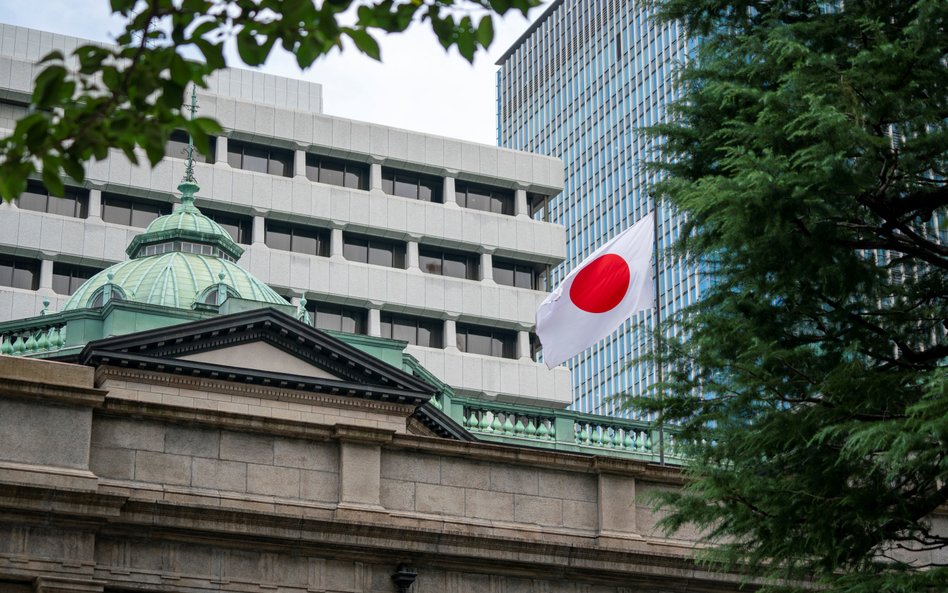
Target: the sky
pixel 417 86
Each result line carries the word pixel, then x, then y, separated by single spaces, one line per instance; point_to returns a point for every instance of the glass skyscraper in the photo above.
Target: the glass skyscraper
pixel 580 84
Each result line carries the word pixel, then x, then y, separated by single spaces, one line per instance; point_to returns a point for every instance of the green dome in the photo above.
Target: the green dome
pixel 186 224
pixel 173 279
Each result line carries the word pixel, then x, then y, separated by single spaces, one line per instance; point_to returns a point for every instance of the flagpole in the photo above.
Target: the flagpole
pixel 658 323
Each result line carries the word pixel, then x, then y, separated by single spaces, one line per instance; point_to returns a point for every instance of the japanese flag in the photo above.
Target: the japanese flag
pixel 610 286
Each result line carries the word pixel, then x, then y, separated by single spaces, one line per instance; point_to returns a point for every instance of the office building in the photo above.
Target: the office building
pixel 381 231
pixel 579 85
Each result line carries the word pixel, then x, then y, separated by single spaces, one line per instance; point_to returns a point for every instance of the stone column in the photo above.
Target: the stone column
pixel 523 345
pixel 374 322
pixel 94 209
pixel 46 277
pixel 450 198
pixel 487 267
pixel 450 335
pixel 299 163
pixel 220 151
pixel 521 208
pixel 259 231
pixel 375 176
pixel 336 243
pixel 411 256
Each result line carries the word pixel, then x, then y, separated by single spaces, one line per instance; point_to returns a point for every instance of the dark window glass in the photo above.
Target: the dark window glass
pixel 74 202
pixel 414 330
pixel 373 251
pixel 488 199
pixel 486 341
pixel 337 172
pixel 448 263
pixel 337 317
pixel 521 275
pixel 131 211
pixel 539 206
pixel 412 185
pixel 68 278
pixel 177 146
pixel 260 158
pixel 19 272
pixel 299 239
pixel 240 228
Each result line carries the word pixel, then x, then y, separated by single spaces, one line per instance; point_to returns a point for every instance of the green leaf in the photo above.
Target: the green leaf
pixel 47 90
pixel 485 31
pixel 365 43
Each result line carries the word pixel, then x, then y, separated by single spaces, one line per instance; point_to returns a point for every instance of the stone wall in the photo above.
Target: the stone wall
pixel 122 493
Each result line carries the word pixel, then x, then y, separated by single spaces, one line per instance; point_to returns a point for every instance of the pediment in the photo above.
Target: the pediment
pixel 260 356
pixel 262 346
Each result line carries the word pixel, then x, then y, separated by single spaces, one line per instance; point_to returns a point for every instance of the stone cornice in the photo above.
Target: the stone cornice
pixel 60 394
pixel 105 372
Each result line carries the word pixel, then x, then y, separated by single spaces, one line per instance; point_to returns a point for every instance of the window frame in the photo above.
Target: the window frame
pixel 539 274
pixel 315 166
pixel 397 249
pixel 244 224
pixel 321 235
pixel 507 339
pixel 79 196
pixel 506 197
pixel 178 140
pixel 390 181
pixel 17 263
pixel 359 316
pixel 472 263
pixel 71 278
pixel 271 151
pixel 112 200
pixel 435 328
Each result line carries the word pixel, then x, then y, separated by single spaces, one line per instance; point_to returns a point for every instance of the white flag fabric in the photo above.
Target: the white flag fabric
pixel 610 286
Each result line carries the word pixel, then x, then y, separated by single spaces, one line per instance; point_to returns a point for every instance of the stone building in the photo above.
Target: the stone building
pixel 190 431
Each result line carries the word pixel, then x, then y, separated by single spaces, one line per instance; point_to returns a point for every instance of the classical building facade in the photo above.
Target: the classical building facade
pixel 581 84
pixel 383 232
pixel 190 431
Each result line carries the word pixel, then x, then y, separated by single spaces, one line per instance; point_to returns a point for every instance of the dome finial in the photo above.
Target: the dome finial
pixel 188 186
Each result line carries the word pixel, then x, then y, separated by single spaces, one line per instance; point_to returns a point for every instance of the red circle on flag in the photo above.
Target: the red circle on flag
pixel 601 284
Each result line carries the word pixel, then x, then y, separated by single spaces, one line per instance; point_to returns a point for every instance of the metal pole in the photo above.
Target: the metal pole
pixel 658 323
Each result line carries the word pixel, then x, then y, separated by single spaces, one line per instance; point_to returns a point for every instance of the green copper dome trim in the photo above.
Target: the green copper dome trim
pixel 186 223
pixel 173 279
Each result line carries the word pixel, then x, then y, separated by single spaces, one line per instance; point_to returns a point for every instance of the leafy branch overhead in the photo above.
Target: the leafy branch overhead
pixel 129 95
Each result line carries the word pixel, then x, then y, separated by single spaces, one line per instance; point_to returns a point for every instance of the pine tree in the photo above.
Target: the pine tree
pixel 809 156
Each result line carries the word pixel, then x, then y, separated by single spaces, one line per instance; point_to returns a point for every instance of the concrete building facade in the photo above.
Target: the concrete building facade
pixel 382 231
pixel 580 84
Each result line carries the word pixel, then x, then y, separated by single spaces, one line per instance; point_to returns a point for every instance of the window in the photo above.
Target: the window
pixel 337 172
pixel 177 145
pixel 414 330
pixel 539 205
pixel 447 263
pixel 486 341
pixel 299 239
pixel 75 201
pixel 132 211
pixel 68 278
pixel 337 317
pixel 536 348
pixel 479 197
pixel 521 275
pixel 19 272
pixel 240 228
pixel 412 185
pixel 373 251
pixel 259 158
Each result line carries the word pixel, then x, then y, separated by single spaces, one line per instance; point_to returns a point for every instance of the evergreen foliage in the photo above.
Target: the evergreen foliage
pixel 809 157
